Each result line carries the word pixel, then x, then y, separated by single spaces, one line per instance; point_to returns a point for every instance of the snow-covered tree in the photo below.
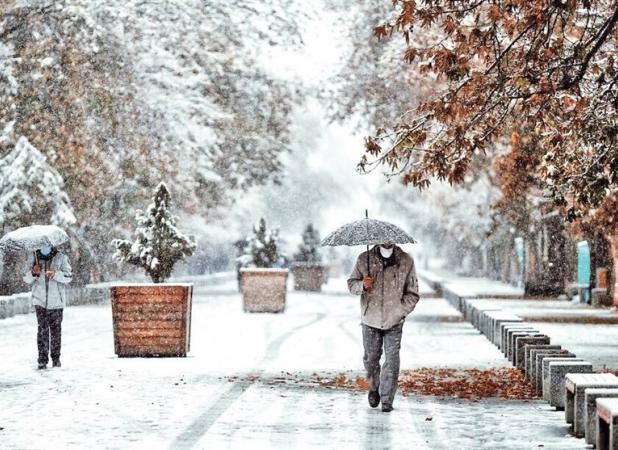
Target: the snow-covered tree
pixel 31 190
pixel 262 250
pixel 158 244
pixel 119 93
pixel 309 249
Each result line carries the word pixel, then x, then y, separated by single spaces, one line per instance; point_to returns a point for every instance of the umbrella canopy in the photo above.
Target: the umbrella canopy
pixel 367 232
pixel 33 238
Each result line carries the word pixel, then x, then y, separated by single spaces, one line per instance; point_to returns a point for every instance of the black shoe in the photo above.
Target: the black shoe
pixel 386 407
pixel 56 363
pixel 42 366
pixel 374 398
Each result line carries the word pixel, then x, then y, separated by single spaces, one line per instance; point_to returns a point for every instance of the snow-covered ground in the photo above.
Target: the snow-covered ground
pixel 97 400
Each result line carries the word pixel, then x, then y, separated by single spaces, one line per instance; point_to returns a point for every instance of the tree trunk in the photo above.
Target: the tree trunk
pixel 613 247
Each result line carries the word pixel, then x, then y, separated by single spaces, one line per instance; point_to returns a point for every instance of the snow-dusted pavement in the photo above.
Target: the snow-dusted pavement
pixel 97 400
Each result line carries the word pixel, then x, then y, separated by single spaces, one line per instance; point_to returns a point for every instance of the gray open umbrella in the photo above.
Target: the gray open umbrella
pixel 367 232
pixel 33 238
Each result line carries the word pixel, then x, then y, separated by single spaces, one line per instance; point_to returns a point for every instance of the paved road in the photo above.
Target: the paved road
pixel 97 400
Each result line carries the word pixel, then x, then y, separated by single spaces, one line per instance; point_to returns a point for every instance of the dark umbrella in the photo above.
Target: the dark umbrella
pixel 367 232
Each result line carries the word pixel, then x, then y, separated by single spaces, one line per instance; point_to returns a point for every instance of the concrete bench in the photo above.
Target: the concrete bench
pixel 590 415
pixel 575 385
pixel 521 343
pixel 508 329
pixel 556 373
pixel 542 366
pixel 607 419
pixel 512 340
pixel 555 350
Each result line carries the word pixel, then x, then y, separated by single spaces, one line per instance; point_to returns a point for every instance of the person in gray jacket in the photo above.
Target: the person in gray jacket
pixel 385 279
pixel 48 272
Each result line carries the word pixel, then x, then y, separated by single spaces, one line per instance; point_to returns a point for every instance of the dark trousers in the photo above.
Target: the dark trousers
pixel 50 330
pixel 382 379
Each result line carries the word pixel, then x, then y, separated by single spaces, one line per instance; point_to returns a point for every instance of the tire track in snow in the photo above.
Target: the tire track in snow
pixel 200 426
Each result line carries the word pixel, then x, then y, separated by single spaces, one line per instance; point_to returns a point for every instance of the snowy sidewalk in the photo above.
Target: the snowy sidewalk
pixel 97 400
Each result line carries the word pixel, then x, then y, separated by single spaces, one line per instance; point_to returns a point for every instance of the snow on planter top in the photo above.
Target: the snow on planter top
pixel 262 270
pixel 136 284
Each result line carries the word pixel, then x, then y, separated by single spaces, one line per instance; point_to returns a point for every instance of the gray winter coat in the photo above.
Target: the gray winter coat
pixel 56 292
pixel 395 288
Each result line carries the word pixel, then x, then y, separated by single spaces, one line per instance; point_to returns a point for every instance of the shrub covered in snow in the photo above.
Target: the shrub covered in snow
pixel 309 249
pixel 158 244
pixel 263 248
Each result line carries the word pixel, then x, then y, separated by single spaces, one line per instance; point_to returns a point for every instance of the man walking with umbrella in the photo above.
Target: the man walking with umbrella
pixel 385 279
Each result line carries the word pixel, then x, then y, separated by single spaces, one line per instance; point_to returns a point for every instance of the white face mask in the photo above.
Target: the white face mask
pixel 386 252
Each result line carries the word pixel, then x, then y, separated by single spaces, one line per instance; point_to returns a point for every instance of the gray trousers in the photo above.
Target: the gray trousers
pixel 384 379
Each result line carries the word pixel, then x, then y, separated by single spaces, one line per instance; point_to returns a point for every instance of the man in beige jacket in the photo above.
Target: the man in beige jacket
pixel 386 281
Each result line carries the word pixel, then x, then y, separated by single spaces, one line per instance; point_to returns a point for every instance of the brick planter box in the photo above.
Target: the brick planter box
pixel 308 277
pixel 263 290
pixel 151 319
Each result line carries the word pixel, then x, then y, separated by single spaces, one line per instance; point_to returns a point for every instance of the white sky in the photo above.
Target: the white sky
pixel 322 184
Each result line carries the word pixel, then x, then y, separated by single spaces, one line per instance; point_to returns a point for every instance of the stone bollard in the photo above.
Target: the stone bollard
pixel 510 355
pixel 499 319
pixel 540 370
pixel 507 329
pixel 527 353
pixel 521 343
pixel 531 358
pixel 556 373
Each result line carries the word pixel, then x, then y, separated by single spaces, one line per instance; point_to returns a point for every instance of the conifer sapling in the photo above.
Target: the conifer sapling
pixel 158 244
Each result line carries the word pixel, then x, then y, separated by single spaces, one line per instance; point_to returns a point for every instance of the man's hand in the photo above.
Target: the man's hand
pixel 368 284
pixel 36 270
pixel 50 274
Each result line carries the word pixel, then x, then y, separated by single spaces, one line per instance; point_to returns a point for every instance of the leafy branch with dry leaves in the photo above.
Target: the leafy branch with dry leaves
pixel 547 67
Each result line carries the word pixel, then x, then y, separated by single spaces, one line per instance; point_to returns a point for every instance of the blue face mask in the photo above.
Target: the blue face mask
pixel 45 251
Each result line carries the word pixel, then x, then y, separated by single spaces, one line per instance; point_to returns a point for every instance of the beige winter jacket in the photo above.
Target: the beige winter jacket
pixel 395 288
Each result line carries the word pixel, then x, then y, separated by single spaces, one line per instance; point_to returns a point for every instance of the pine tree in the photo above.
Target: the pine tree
pixel 31 190
pixel 158 244
pixel 308 250
pixel 263 248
